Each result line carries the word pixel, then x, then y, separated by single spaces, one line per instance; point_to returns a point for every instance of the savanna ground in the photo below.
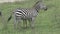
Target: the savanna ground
pixel 47 22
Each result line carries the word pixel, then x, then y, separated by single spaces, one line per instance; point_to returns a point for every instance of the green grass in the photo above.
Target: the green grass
pixel 47 22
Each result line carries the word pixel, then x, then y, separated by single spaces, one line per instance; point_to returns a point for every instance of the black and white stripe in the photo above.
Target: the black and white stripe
pixel 20 12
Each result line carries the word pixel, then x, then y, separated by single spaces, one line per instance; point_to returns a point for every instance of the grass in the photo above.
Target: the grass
pixel 47 22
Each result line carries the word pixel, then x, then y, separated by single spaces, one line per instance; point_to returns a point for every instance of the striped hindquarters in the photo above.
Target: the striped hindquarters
pixel 20 13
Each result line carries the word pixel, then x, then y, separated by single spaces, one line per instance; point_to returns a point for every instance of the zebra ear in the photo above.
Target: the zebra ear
pixel 39 1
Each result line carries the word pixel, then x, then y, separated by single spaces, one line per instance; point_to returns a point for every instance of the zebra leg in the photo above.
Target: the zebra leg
pixel 15 22
pixel 25 23
pixel 32 22
pixel 19 24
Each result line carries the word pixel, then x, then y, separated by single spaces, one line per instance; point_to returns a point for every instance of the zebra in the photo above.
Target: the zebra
pixel 29 14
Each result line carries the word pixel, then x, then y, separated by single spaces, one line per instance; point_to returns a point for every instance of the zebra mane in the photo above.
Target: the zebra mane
pixel 37 2
pixel 36 6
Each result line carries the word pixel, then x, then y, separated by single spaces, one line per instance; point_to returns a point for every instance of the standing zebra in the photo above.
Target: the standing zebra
pixel 27 14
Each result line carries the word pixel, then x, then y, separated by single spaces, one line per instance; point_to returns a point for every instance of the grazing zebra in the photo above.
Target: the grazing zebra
pixel 27 14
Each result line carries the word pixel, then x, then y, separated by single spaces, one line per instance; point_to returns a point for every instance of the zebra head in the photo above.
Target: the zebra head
pixel 40 5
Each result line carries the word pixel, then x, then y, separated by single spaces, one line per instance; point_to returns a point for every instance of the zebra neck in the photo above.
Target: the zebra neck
pixel 37 9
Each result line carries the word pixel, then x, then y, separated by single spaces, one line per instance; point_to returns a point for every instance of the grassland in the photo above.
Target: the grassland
pixel 47 22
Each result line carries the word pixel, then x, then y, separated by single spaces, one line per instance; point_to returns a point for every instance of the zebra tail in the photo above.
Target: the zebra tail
pixel 9 18
pixel 0 14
